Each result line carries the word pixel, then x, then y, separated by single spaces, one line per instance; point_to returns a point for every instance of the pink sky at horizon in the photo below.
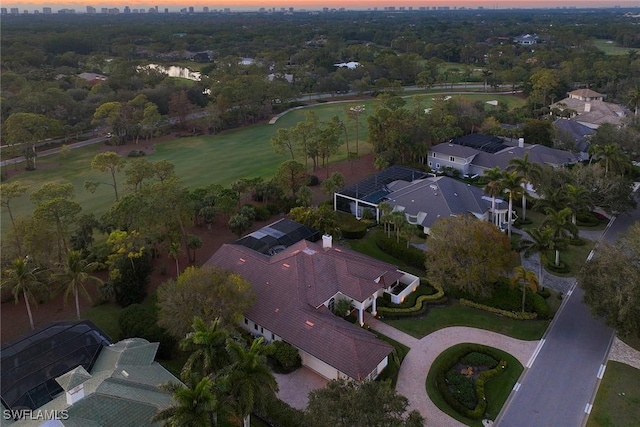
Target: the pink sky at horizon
pixel 80 5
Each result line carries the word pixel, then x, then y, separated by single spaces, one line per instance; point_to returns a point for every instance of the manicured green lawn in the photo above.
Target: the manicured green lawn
pixel 497 389
pixel 367 246
pixel 617 403
pixel 457 315
pixel 202 160
pixel 105 317
pixel 611 48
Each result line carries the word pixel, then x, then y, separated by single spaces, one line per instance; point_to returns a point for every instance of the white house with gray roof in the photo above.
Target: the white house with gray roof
pixel 474 154
pixel 427 200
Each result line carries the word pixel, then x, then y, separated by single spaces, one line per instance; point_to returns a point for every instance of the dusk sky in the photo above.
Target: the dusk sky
pixel 80 6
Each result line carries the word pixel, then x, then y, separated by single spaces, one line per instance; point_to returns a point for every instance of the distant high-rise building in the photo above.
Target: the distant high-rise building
pixel 191 9
pixel 15 11
pixel 127 10
pixel 325 9
pixel 166 10
pixel 66 11
pixel 152 10
pixel 36 12
pixel 227 10
pixel 91 10
pixel 104 10
pixel 205 9
pixel 46 10
pixel 3 11
pixel 290 9
pixel 114 11
pixel 25 12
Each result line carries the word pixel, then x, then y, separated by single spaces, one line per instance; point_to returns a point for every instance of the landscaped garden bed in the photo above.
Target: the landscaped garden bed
pixel 472 381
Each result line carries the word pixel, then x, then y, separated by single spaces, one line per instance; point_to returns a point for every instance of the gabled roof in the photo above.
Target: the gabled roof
pixel 291 288
pixel 576 130
pixel 122 389
pixel 440 197
pixel 450 149
pixel 586 93
pixel 30 364
pixel 539 154
pixel 599 112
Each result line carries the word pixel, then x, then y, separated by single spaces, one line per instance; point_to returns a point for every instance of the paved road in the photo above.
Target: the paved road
pixel 55 150
pixel 560 385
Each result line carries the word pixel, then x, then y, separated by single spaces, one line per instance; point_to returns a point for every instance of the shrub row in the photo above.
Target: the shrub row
pixel 446 365
pixel 511 314
pixel 505 297
pixel 410 300
pixel 584 219
pixel 411 256
pixel 277 413
pixel 563 268
pixel 418 308
pixel 544 293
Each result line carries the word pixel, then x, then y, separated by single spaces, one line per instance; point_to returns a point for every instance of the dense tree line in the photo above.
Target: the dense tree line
pixel 42 57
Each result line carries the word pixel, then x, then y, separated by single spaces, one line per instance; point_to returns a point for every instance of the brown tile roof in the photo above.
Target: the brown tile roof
pixel 586 93
pixel 291 288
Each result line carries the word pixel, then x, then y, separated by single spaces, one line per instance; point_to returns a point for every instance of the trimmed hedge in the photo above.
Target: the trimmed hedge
pixel 277 413
pixel 409 301
pixel 446 365
pixel 508 298
pixel 411 256
pixel 544 293
pixel 285 357
pixel 350 227
pixel 506 313
pixel 563 268
pixel 419 307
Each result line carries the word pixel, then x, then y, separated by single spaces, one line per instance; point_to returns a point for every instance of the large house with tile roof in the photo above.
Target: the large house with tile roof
pixel 475 153
pixel 589 108
pixel 68 374
pixel 297 285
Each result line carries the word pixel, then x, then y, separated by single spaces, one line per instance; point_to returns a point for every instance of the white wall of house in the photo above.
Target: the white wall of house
pixel 322 368
pixel 438 161
pixel 383 364
pixel 258 330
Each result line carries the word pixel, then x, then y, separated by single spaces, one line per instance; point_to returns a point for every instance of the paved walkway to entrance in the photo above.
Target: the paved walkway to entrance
pixel 413 372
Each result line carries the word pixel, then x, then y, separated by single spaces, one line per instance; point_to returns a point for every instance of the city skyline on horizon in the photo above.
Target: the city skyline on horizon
pixel 248 5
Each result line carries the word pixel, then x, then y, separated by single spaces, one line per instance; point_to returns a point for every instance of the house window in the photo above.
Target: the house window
pixel 433 154
pixel 429 164
pixel 452 159
pixel 261 330
pixel 437 165
pixel 255 326
pixel 246 321
pixel 332 304
pixel 273 336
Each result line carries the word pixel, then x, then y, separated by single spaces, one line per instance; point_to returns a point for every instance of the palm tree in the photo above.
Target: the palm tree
pixel 556 198
pixel 250 379
pixel 76 272
pixel 485 75
pixel 578 200
pixel 634 99
pixel 512 183
pixel 493 188
pixel 196 405
pixel 614 159
pixel 542 241
pixel 385 209
pixel 207 344
pixel 530 172
pixel 23 279
pixel 561 226
pixel 527 278
pixel 174 252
